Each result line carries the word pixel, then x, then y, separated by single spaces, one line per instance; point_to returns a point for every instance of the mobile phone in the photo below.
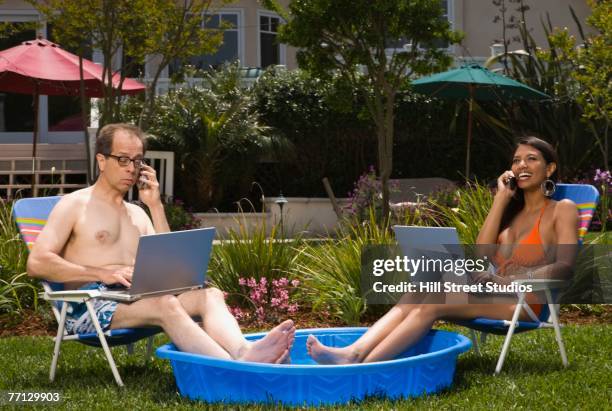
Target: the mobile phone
pixel 511 183
pixel 141 184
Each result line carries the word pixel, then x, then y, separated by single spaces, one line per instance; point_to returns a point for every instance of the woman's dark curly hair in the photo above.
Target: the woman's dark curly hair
pixel 518 200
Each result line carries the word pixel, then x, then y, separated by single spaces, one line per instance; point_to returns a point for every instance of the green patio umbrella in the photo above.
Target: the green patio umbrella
pixel 474 82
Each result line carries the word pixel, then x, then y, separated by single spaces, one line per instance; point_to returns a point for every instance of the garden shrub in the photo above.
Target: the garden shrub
pixel 179 218
pixel 256 272
pixel 267 302
pixel 330 273
pixel 215 134
pixel 602 180
pixel 17 290
pixel 324 123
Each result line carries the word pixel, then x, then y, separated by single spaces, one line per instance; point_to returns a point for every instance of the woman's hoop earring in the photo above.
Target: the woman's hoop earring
pixel 549 187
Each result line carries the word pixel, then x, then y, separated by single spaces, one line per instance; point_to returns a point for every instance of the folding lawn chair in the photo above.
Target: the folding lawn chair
pixel 31 216
pixel 586 197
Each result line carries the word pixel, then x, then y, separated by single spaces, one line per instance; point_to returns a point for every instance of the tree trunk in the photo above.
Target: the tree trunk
pixel 147 109
pixel 383 113
pixel 387 169
pixel 385 158
pixel 84 118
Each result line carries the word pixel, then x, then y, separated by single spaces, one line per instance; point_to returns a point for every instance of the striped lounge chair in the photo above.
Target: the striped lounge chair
pixel 31 215
pixel 586 198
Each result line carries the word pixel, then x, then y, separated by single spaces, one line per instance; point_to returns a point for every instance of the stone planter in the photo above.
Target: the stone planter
pixel 312 217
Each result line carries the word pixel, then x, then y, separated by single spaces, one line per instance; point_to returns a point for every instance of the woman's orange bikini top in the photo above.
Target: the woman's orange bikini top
pixel 525 253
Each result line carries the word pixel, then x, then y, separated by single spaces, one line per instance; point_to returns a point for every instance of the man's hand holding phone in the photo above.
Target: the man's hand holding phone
pixel 148 186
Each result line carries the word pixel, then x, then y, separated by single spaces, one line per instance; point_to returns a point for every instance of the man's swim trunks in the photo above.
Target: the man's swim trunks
pixel 78 320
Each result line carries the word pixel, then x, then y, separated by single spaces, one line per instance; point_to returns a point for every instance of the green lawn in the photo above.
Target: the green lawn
pixel 533 377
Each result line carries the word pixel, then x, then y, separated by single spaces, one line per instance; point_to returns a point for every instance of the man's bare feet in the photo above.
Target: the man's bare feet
pixel 273 348
pixel 323 354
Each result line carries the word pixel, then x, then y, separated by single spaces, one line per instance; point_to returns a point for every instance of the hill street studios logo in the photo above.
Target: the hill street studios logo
pixel 578 275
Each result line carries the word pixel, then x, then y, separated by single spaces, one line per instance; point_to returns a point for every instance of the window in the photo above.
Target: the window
pixel 269 48
pixel 16 110
pixel 398 45
pixel 228 51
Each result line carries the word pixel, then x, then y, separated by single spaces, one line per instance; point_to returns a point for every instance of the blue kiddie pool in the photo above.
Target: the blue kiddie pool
pixel 427 367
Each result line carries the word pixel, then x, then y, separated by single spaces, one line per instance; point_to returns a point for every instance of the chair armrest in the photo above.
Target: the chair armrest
pixel 541 284
pixel 77 296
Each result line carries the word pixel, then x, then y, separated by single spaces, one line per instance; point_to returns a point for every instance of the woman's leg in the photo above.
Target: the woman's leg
pixel 357 351
pixel 401 327
pixel 419 321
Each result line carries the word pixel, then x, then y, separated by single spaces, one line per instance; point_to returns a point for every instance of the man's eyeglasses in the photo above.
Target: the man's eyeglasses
pixel 125 161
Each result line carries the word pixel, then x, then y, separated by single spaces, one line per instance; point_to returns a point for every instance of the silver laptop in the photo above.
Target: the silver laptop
pixel 430 242
pixel 168 263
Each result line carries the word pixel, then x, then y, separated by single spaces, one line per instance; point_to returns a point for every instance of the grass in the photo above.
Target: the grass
pixel 600 238
pixel 533 377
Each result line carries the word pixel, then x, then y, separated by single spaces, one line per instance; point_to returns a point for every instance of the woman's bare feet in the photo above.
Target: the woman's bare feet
pixel 273 348
pixel 286 357
pixel 323 354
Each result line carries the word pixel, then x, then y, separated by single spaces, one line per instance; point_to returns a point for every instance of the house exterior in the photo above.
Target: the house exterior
pixel 251 40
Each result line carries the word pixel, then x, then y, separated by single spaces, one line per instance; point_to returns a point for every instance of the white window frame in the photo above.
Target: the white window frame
pixel 282 52
pixel 239 28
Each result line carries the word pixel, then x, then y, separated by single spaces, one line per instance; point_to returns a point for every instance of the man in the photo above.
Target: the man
pixel 91 238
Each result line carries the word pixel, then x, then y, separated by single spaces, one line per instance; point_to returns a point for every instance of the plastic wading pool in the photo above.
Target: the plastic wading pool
pixel 427 367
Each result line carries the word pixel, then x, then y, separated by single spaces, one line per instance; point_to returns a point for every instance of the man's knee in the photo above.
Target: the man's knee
pixel 168 305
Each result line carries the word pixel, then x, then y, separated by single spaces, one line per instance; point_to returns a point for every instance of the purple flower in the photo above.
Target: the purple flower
pixel 602 176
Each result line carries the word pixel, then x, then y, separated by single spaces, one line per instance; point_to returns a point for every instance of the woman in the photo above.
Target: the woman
pixel 521 221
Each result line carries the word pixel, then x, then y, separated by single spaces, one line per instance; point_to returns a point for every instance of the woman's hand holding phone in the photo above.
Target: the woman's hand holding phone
pixel 506 184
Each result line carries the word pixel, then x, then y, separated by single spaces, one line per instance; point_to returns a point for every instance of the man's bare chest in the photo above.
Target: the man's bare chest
pixel 106 229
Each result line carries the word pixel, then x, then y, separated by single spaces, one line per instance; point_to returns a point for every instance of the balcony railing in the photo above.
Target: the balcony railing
pixel 58 174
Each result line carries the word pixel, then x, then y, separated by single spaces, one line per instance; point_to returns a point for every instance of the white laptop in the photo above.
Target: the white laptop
pixel 167 263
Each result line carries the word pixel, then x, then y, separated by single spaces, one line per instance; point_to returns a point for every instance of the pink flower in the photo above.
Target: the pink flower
pixel 256 296
pixel 295 283
pixel 242 281
pixel 260 314
pixel 237 313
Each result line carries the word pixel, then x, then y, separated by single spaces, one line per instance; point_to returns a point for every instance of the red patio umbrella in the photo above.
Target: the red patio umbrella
pixel 41 67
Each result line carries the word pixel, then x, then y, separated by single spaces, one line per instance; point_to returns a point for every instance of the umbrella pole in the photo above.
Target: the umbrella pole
pixel 469 134
pixel 34 139
pixel 84 118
